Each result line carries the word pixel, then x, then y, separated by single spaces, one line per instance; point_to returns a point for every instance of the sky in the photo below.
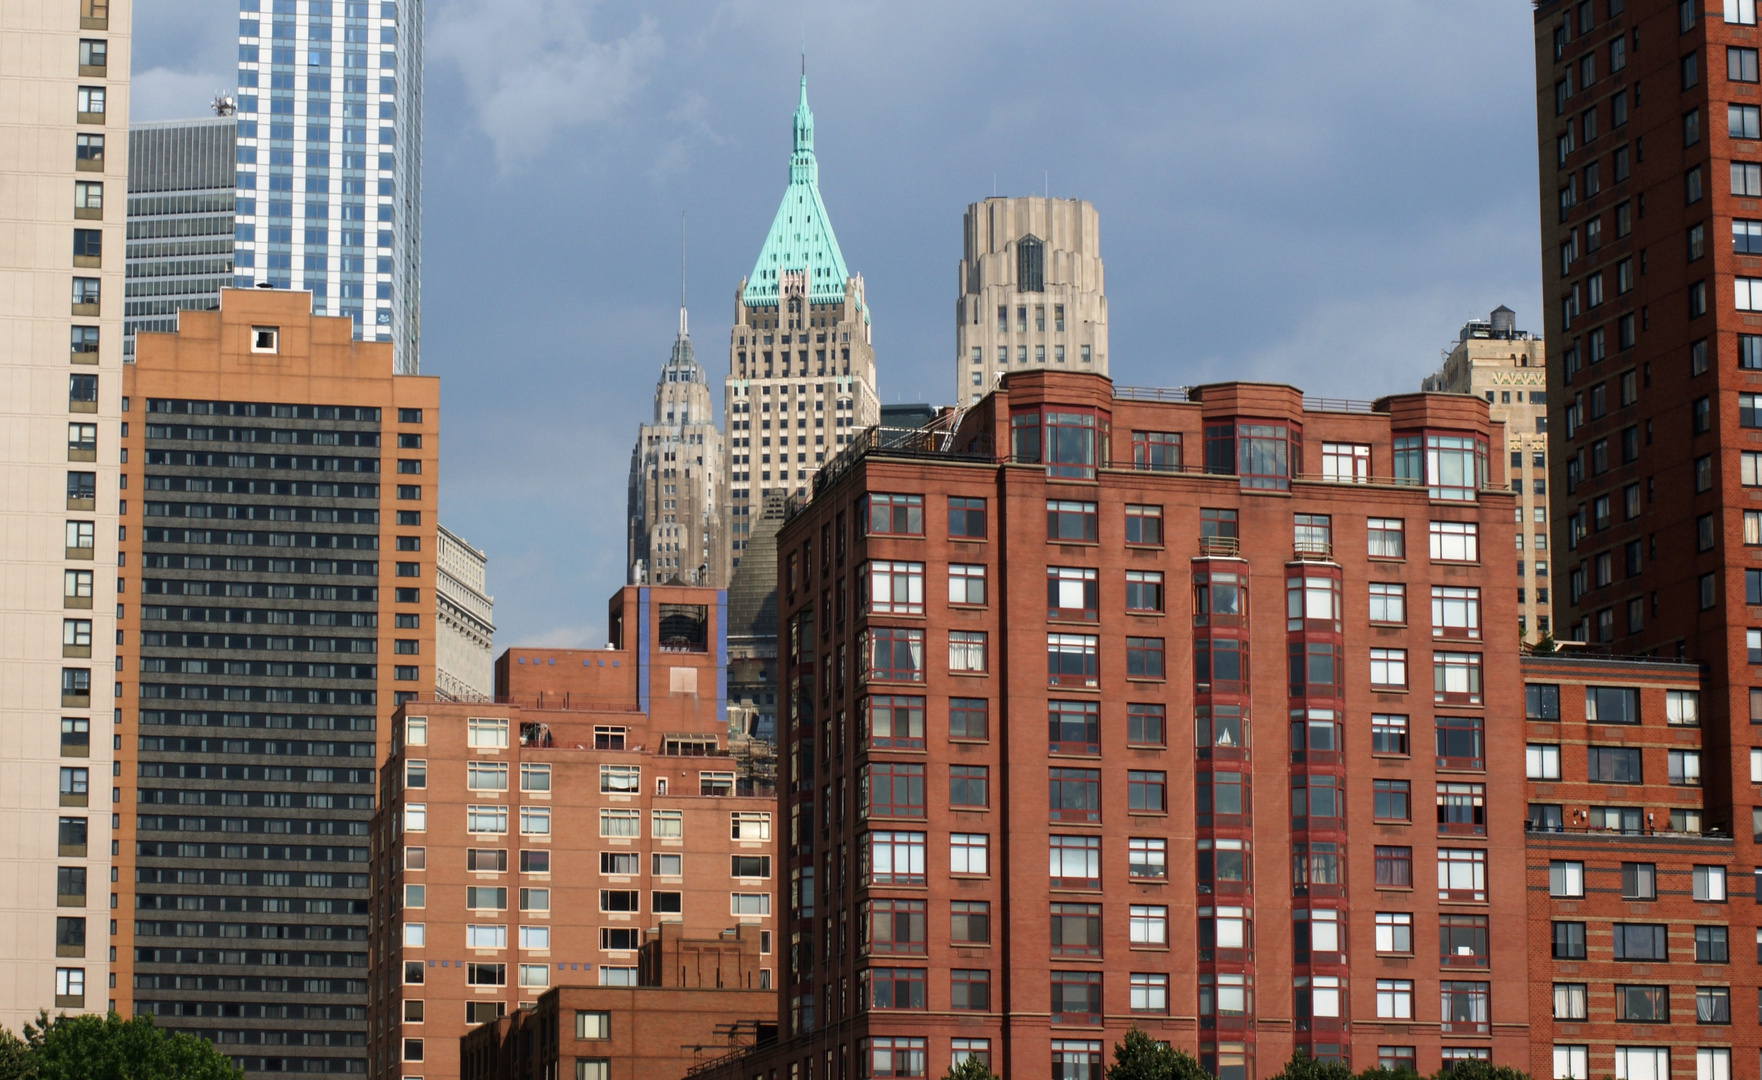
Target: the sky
pixel 1319 194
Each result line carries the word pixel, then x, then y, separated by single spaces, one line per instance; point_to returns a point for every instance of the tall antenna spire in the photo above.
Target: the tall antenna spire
pixel 682 329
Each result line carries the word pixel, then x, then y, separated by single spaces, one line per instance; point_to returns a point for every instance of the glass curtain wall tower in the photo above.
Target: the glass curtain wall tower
pixel 330 160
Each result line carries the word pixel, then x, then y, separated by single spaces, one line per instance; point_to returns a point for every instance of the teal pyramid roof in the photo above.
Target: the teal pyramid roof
pixel 801 236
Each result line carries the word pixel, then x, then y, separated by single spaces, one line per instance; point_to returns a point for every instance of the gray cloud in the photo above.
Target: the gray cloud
pixel 1318 195
pixel 533 69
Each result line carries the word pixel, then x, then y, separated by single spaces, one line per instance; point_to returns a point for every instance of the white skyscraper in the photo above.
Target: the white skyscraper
pixel 330 159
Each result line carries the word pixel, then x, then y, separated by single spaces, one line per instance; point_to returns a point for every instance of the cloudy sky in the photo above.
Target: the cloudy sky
pixel 1318 194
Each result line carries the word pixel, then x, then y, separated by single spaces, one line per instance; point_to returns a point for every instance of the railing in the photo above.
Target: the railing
pixel 1312 550
pixel 1152 393
pixel 1330 404
pixel 1712 833
pixel 1222 546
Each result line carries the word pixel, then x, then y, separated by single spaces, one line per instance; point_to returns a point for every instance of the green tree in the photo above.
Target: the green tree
pixel 108 1048
pixel 1303 1067
pixel 1139 1057
pixel 1378 1072
pixel 970 1068
pixel 1476 1069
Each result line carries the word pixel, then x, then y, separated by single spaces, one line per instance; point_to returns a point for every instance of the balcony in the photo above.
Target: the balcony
pixel 1312 550
pixel 1226 547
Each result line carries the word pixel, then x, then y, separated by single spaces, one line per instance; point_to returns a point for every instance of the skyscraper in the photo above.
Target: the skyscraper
pixel 330 160
pixel 1494 360
pixel 801 372
pixel 64 125
pixel 181 188
pixel 1031 291
pixel 281 542
pixel 675 516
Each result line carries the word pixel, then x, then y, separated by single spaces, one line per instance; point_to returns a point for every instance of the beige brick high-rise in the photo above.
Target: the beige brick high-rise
pixel 64 68
pixel 1493 359
pixel 1030 291
pixel 801 365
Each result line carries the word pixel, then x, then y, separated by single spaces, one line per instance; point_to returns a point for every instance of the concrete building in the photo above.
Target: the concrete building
pixel 675 507
pixel 1493 359
pixel 181 191
pixel 609 770
pixel 1172 536
pixel 752 646
pixel 1031 291
pixel 330 160
pixel 464 627
pixel 1639 963
pixel 696 1003
pixel 64 97
pixel 279 547
pixel 801 363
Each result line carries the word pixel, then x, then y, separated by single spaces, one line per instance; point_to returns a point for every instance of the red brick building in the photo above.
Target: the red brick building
pixel 1650 169
pixel 1637 966
pixel 1004 837
pixel 547 838
pixel 693 1006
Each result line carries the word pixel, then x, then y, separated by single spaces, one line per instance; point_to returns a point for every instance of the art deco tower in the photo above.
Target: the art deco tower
pixel 1030 291
pixel 675 515
pixel 801 378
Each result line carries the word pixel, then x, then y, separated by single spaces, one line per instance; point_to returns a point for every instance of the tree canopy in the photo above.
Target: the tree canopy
pixel 970 1068
pixel 108 1048
pixel 1139 1057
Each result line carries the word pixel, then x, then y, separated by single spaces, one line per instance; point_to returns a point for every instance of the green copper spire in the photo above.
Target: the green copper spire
pixel 801 238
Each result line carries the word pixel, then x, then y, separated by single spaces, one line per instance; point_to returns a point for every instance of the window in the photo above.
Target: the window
pixel 1144 658
pixel 966 651
pixel 1388 602
pixel 1542 762
pixel 486 819
pixel 1146 792
pixel 1346 463
pixel 1157 450
pixel 1391 800
pixel 1386 538
pixel 896 988
pixel 1075 930
pixel 1147 858
pixel 1394 932
pixel 1712 1005
pixel 1144 524
pixel 1072 660
pixel 1541 701
pixel 1742 12
pixel 1388 668
pixel 895 515
pixel 969 853
pixel 1394 999
pixel 486 898
pixel 535 821
pixel 1075 862
pixel 968 718
pixel 1462 874
pixel 1570 1001
pixel 895 721
pixel 1072 593
pixel 593 1025
pixel 1612 705
pixel 486 937
pixel 1613 765
pixel 1076 997
pixel 1149 993
pixel 892 654
pixel 1258 453
pixel 1638 941
pixel 894 858
pixel 1144 590
pixel 966 584
pixel 620 779
pixel 1073 727
pixel 1070 522
pixel 898 587
pixel 1455 541
pixel 1074 794
pixel 486 734
pixel 1456 612
pixel 1684 767
pixel 1709 883
pixel 970 921
pixel 1144 725
pixel 1463 1006
pixel 1394 867
pixel 620 822
pixel 1462 809
pixel 967 785
pixel 1569 941
pixel 966 519
pixel 899 1056
pixel 1642 1004
pixel 1388 735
